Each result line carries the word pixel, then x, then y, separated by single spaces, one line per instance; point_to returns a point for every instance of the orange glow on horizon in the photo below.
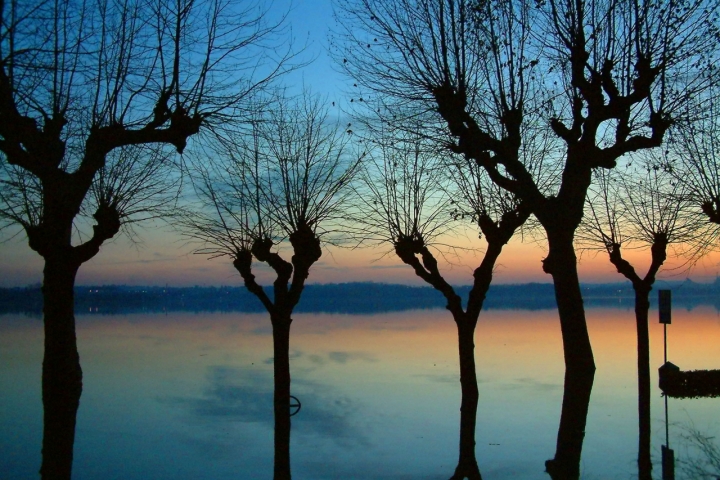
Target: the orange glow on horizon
pixel 163 259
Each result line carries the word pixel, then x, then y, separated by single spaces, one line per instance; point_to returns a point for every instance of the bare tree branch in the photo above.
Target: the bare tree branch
pixel 285 180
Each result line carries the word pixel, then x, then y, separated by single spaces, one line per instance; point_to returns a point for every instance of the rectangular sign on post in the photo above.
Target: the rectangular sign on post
pixel 665 306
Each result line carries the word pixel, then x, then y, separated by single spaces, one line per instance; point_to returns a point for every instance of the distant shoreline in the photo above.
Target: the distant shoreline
pixel 343 298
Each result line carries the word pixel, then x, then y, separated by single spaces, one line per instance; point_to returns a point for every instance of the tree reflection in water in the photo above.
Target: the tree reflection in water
pixel 702 454
pixel 229 406
pixel 571 433
pixel 644 461
pixel 467 466
pixel 61 390
pixel 60 412
pixel 700 450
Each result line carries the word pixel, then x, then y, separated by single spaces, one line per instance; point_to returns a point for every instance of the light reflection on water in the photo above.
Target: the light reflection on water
pixel 190 395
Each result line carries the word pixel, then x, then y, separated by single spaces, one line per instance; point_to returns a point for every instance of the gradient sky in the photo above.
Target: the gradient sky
pixel 163 257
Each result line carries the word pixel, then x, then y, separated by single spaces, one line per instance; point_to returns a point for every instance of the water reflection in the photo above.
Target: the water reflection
pixel 571 433
pixel 701 458
pixel 667 454
pixel 700 449
pixel 61 390
pixel 191 396
pixel 281 398
pixel 467 466
pixel 644 461
pixel 60 412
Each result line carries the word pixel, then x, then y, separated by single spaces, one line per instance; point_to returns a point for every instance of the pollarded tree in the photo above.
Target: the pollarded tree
pixel 93 95
pixel 283 182
pixel 604 77
pixel 640 207
pixel 414 197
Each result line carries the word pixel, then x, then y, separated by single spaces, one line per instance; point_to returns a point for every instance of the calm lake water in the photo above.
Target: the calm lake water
pixel 189 396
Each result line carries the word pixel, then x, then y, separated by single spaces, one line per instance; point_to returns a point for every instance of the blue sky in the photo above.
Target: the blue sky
pixel 163 257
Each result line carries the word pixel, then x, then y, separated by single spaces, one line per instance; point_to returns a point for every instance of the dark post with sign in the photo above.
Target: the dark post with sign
pixel 665 309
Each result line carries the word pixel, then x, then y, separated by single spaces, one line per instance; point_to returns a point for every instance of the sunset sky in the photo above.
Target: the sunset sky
pixel 163 257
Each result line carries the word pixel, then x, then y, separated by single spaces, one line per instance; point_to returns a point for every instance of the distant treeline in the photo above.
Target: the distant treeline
pixel 340 298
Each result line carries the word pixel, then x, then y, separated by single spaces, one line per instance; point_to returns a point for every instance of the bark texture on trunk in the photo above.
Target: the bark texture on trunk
pixel 571 433
pixel 61 372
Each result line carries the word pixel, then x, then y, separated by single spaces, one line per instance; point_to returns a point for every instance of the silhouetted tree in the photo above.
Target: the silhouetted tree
pixel 693 160
pixel 605 77
pixel 410 197
pixel 92 94
pixel 644 207
pixel 283 182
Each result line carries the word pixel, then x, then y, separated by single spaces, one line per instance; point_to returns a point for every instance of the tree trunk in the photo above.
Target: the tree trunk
pixel 281 351
pixel 561 263
pixel 642 306
pixel 571 433
pixel 61 373
pixel 467 463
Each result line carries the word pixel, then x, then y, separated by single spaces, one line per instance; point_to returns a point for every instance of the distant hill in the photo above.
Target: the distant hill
pixel 340 298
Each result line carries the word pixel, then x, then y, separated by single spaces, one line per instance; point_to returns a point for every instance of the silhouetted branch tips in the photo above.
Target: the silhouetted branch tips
pixel 585 83
pixel 283 182
pixel 93 98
